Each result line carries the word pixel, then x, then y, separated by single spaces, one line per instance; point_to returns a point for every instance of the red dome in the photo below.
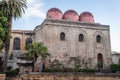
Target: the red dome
pixel 87 17
pixel 54 13
pixel 71 15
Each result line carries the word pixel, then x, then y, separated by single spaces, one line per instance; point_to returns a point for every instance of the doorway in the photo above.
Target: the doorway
pixel 100 60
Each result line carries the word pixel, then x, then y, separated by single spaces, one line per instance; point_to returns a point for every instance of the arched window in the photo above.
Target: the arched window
pixel 81 38
pixel 16 44
pixel 62 36
pixel 28 41
pixel 100 60
pixel 98 39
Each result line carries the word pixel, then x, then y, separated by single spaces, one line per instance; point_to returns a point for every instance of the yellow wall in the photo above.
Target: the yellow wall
pixel 23 35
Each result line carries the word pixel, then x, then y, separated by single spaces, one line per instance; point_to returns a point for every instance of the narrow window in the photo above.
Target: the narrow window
pixel 98 39
pixel 81 38
pixel 62 36
pixel 28 41
pixel 16 44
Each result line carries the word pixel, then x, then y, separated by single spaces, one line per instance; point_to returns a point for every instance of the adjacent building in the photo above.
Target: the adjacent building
pixel 116 57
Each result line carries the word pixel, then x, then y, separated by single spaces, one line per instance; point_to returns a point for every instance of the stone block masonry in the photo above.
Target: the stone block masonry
pixel 2 76
pixel 68 76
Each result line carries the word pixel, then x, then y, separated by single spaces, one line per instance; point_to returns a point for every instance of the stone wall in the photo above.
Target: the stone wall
pixel 68 76
pixel 49 33
pixel 2 76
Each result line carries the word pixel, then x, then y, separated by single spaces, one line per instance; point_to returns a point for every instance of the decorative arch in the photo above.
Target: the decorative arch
pixel 65 31
pixel 16 43
pixel 99 37
pixel 62 36
pixel 100 60
pixel 28 41
pixel 81 36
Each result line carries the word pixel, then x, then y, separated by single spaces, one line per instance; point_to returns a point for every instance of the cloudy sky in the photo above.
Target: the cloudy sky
pixel 104 11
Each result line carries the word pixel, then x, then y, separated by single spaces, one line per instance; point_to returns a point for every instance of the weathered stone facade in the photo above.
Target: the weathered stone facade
pixel 49 33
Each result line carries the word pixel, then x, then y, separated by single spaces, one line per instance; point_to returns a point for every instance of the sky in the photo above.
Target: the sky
pixel 104 11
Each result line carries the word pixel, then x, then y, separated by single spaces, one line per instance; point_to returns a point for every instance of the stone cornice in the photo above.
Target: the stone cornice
pixel 79 24
pixel 23 31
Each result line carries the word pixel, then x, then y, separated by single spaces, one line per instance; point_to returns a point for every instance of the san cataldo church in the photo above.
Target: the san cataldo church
pixel 70 38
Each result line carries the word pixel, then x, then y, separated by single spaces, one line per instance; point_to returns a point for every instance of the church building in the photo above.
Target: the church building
pixel 70 38
pixel 73 38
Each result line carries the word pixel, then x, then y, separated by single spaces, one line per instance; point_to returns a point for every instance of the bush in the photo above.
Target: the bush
pixel 12 72
pixel 77 67
pixel 9 67
pixel 53 70
pixel 114 67
pixel 69 70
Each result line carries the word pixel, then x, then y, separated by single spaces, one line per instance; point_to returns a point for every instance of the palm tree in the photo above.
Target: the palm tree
pixel 3 29
pixel 12 9
pixel 37 50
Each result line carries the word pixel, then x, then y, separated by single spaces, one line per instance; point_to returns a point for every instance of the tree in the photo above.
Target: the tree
pixel 37 50
pixel 3 29
pixel 12 9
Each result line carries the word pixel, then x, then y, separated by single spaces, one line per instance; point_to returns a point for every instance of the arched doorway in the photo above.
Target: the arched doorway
pixel 100 60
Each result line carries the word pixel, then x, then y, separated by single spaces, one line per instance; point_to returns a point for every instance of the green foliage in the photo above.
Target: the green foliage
pixel 9 68
pixel 58 70
pixel 3 29
pixel 70 70
pixel 37 49
pixel 56 64
pixel 87 70
pixel 12 72
pixel 14 8
pixel 11 9
pixel 115 67
pixel 77 66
